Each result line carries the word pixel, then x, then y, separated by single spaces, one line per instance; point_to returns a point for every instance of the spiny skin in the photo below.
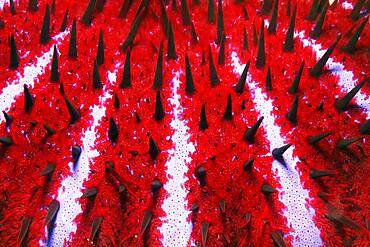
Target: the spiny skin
pixel 214 98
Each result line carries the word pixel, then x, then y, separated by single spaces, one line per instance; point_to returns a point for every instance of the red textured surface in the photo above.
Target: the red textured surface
pixel 25 193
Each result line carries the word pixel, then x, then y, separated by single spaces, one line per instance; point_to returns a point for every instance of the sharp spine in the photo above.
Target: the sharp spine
pixel 72 51
pixel 221 51
pixel 96 77
pixel 289 38
pixel 164 18
pixel 204 232
pixel 261 59
pixel 351 44
pixel 211 11
pixel 203 124
pixel 63 26
pixel 251 132
pixel 239 88
pixel 245 14
pixel 268 189
pixel 52 212
pixel 156 186
pixel 113 130
pixel 288 7
pixel 14 58
pixel 194 36
pixel 312 140
pixel 190 88
pixel 317 69
pixel 294 87
pixel 73 112
pixel 133 29
pixel 146 221
pixel 55 76
pixel 266 7
pixel 99 6
pixel 159 111
pixel 8 119
pixel 200 173
pixel 273 19
pixel 278 238
pixel 342 103
pixel 126 78
pixel 125 8
pixel 212 69
pixel 12 7
pixel 292 114
pixel 173 5
pixel 343 144
pixel 319 173
pixel 316 31
pixel 158 76
pixel 52 10
pixel 28 99
pixel 171 51
pixel 88 14
pixel 220 23
pixel 277 153
pixel 185 16
pixel 97 221
pixel 153 149
pixel 245 39
pixel 116 102
pixel 248 165
pixel 268 80
pixel 24 229
pixel 61 89
pixel 90 193
pixel 255 36
pixel 76 153
pixel 45 30
pixel 100 52
pixel 313 12
pixel 48 170
pixel 228 115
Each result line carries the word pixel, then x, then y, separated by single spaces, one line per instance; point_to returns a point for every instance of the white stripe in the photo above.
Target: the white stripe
pixel 70 191
pixel 15 87
pixel 347 5
pixel 346 77
pixel 2 2
pixel 176 229
pixel 292 194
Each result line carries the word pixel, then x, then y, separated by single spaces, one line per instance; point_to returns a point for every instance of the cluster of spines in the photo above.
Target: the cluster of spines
pixel 316 12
